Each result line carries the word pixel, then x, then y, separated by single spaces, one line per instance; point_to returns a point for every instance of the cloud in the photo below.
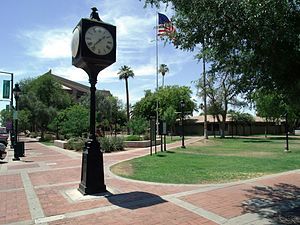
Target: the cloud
pixel 134 36
pixel 49 44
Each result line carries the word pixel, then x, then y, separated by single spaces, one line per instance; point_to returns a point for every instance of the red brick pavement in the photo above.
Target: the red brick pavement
pixel 10 182
pixel 154 214
pixel 53 172
pixel 13 207
pixel 226 202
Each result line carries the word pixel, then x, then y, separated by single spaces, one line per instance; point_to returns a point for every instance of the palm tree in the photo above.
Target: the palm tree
pixel 124 73
pixel 163 69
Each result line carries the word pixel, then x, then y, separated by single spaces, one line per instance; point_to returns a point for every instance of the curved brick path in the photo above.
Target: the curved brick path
pixel 42 189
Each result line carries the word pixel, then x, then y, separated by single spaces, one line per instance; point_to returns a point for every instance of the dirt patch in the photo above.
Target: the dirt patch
pixel 122 169
pixel 204 142
pixel 248 154
pixel 243 154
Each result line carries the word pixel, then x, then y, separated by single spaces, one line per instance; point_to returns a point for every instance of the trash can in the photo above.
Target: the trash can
pixel 19 148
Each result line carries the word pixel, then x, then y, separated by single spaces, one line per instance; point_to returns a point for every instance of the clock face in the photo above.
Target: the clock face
pixel 99 40
pixel 75 42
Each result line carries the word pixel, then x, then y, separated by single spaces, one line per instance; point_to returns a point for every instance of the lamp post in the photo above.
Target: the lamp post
pixel 202 107
pixel 214 116
pixel 286 133
pixel 182 106
pixel 16 92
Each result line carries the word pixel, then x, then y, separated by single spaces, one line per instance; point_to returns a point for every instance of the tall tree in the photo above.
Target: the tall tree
pixel 170 117
pixel 242 119
pixel 163 69
pixel 109 110
pixel 42 97
pixel 170 96
pixel 269 105
pixel 258 39
pixel 124 73
pixel 221 90
pixel 74 121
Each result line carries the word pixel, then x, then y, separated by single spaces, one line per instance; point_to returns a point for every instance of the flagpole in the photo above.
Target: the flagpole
pixel 156 38
pixel 204 93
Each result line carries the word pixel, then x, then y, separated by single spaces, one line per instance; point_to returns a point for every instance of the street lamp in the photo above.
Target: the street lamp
pixel 286 133
pixel 16 92
pixel 202 107
pixel 182 106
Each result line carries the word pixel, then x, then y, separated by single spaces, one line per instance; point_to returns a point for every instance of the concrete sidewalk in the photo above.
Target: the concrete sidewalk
pixel 42 189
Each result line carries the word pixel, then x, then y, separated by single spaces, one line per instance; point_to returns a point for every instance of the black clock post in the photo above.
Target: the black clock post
pixel 93 49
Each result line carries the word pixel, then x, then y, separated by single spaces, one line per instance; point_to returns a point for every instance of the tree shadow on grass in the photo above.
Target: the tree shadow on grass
pixel 283 138
pixel 279 203
pixel 170 152
pixel 160 154
pixel 135 200
pixel 256 141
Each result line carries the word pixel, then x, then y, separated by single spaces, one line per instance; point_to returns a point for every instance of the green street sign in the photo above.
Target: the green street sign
pixel 6 88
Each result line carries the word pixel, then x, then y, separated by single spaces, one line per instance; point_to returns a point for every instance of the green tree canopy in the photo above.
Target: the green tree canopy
pixel 169 96
pixel 74 121
pixel 138 125
pixel 109 110
pixel 269 105
pixel 258 39
pixel 170 117
pixel 42 98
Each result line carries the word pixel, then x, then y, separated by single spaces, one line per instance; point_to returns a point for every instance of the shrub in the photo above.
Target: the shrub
pixel 138 125
pixel 110 144
pixel 146 136
pixel 48 137
pixel 133 138
pixel 119 143
pixel 105 144
pixel 76 144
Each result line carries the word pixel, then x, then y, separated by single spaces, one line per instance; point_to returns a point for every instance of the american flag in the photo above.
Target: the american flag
pixel 165 26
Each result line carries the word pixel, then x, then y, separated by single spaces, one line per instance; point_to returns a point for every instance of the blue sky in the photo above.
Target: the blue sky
pixel 36 37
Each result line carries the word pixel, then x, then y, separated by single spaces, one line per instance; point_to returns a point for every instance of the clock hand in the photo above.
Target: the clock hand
pixel 100 39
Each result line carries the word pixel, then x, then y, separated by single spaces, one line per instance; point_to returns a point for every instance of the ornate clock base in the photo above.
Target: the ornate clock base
pixel 92 174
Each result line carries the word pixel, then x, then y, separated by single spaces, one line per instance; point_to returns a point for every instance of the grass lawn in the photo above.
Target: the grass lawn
pixel 218 160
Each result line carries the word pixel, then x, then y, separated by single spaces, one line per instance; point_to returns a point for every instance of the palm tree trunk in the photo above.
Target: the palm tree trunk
pixel 127 104
pixel 163 81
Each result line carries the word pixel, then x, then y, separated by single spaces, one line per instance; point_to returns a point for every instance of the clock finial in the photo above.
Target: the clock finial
pixel 94 14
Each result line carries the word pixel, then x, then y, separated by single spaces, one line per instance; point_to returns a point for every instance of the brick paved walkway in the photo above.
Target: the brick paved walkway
pixel 42 189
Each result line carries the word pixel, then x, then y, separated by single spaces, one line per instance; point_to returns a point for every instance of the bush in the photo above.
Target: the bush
pixel 111 144
pixel 147 136
pixel 105 144
pixel 138 125
pixel 48 137
pixel 119 143
pixel 76 144
pixel 133 138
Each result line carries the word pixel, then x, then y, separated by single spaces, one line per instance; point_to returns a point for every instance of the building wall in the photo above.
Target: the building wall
pixel 231 129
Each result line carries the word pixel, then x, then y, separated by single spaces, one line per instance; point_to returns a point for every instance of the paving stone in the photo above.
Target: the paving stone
pixel 39 188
